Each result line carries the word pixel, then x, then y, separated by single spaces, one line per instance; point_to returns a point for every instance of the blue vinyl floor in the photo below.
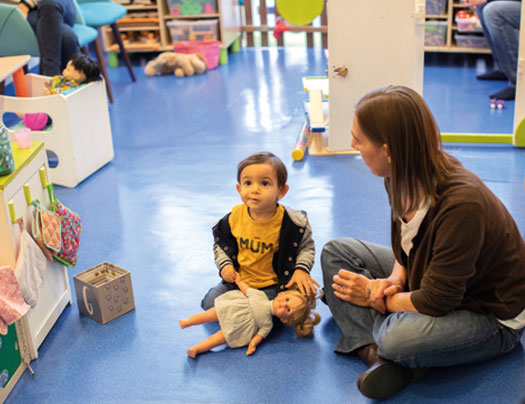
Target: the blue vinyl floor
pixel 150 211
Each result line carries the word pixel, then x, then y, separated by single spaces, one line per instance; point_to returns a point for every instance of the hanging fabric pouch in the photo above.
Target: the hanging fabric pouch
pixel 7 163
pixel 30 267
pixel 12 305
pixel 71 226
pixel 46 230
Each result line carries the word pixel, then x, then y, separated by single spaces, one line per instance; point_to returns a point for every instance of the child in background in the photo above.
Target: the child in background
pixel 245 317
pixel 269 245
pixel 79 70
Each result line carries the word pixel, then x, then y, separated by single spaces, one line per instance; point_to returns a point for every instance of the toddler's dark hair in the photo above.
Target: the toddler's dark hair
pixel 265 158
pixel 88 66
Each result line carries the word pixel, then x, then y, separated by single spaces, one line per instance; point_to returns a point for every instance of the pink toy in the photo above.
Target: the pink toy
pixel 495 103
pixel 208 8
pixel 175 11
pixel 35 121
pixel 280 27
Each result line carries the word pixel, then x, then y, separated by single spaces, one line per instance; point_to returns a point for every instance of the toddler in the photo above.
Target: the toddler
pixel 270 245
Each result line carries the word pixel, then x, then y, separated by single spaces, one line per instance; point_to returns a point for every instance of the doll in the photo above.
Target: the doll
pixel 79 70
pixel 245 317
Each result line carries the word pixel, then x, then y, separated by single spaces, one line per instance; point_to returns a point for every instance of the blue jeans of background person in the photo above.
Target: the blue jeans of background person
pixel 222 287
pixel 53 22
pixel 500 19
pixel 409 339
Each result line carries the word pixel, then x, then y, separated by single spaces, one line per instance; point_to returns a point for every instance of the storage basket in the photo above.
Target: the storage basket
pixel 436 7
pixel 192 7
pixel 435 33
pixel 471 41
pixel 469 24
pixel 104 292
pixel 197 30
pixel 209 50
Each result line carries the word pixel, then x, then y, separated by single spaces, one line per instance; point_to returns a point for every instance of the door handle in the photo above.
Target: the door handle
pixel 341 71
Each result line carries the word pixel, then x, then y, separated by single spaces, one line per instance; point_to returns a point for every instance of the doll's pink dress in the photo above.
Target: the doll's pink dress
pixel 241 317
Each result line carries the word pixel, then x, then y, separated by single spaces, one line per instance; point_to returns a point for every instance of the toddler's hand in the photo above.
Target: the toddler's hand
pixel 305 283
pixel 251 348
pixel 228 273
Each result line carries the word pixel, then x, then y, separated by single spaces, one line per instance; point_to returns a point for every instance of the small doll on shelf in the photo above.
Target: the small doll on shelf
pixel 79 70
pixel 245 317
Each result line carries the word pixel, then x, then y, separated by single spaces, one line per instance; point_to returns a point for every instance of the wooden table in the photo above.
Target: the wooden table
pixel 14 65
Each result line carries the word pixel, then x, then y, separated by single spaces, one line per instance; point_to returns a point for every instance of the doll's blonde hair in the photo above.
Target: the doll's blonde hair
pixel 303 318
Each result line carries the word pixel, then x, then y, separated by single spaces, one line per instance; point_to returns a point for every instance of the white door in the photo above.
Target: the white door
pixel 379 42
pixel 519 109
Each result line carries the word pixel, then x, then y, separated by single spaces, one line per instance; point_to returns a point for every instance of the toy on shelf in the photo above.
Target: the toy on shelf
pixel 497 104
pixel 468 21
pixel 191 7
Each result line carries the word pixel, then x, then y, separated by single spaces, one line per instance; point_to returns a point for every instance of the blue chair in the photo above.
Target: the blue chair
pixel 87 35
pixel 98 13
pixel 18 38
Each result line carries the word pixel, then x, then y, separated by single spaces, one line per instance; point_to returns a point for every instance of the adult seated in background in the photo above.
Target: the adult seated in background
pixel 449 291
pixel 52 21
pixel 500 19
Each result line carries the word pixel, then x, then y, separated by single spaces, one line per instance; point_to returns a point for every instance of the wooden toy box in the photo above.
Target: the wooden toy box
pixel 104 292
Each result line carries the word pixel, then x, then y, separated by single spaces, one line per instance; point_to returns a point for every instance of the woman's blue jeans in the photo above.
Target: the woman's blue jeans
pixel 409 339
pixel 500 19
pixel 53 22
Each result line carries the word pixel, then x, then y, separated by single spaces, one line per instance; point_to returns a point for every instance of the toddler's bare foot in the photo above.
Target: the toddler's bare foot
pixel 183 323
pixel 192 352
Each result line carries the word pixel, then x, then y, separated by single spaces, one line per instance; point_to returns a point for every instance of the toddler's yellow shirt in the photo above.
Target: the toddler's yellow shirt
pixel 257 241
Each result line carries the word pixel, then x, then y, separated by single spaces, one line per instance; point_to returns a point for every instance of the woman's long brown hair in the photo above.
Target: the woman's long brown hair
pixel 399 117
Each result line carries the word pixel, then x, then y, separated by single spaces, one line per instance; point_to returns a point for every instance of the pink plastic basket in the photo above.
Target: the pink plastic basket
pixel 209 50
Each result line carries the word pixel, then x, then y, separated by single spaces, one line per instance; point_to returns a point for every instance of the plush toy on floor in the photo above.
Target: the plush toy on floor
pixel 180 64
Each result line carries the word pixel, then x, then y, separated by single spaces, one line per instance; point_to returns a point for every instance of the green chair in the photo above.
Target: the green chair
pixel 16 35
pixel 18 38
pixel 98 13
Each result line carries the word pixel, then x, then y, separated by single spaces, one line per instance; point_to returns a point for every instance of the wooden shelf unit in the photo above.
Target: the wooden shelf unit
pixel 452 6
pixel 154 25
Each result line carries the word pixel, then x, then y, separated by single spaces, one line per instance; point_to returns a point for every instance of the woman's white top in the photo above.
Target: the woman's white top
pixel 409 229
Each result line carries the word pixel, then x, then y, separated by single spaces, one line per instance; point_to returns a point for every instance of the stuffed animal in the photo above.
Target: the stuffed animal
pixel 180 64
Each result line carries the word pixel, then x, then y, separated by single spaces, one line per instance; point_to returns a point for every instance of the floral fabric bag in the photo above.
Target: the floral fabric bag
pixel 46 230
pixel 71 226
